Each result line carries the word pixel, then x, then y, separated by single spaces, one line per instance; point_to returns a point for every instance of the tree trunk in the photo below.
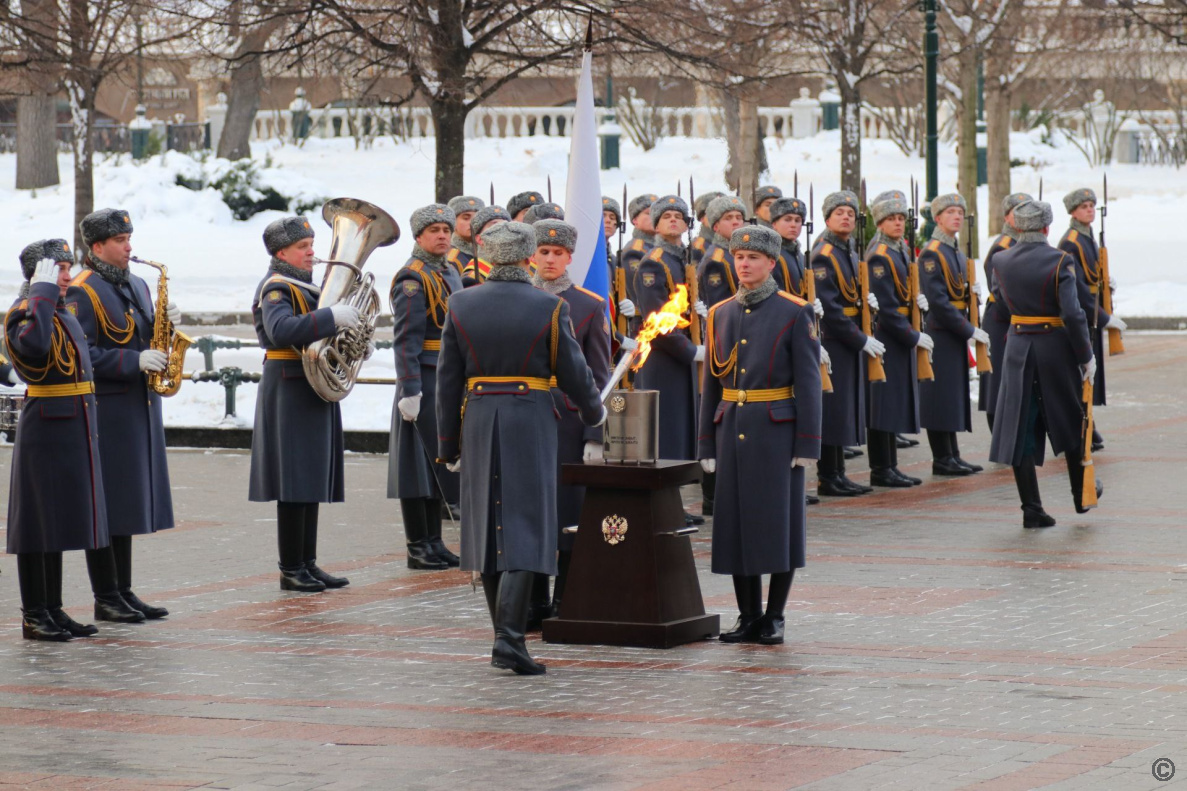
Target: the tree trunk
pixel 243 101
pixel 36 141
pixel 850 135
pixel 449 119
pixel 731 114
pixel 82 110
pixel 966 179
pixel 997 144
pixel 749 143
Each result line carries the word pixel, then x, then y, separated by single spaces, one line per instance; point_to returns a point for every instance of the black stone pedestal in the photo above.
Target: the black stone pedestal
pixel 632 580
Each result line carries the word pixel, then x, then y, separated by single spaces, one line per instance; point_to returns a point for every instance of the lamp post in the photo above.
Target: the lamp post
pixel 931 52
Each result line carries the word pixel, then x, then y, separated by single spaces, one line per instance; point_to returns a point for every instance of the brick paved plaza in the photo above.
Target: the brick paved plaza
pixel 932 644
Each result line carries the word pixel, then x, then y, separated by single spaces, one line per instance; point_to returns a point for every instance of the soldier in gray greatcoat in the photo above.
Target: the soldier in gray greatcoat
pixel 296 444
pixel 944 405
pixel 501 346
pixel 576 442
pixel 1047 359
pixel 994 321
pixel 115 309
pixel 519 204
pixel 716 278
pixel 835 269
pixel 759 428
pixel 894 404
pixel 787 218
pixel 475 272
pixel 763 198
pixel 463 248
pixel 700 242
pixel 671 367
pixel 419 298
pixel 55 495
pixel 1080 243
pixel 643 240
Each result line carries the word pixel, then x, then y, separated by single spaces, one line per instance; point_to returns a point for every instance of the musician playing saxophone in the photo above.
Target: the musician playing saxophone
pixel 116 312
pixel 296 447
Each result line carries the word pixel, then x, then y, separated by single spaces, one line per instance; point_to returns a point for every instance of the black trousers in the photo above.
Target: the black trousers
pixel 296 533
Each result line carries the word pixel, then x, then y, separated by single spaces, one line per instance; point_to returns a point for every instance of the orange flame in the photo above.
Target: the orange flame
pixel 661 322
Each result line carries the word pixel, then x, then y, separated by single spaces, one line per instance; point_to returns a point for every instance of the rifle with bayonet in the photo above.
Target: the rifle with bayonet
pixel 1116 345
pixel 875 371
pixel 984 366
pixel 826 381
pixel 690 278
pixel 924 372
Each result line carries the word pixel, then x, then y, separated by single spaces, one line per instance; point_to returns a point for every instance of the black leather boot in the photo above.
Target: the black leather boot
pixel 510 652
pixel 310 553
pixel 109 604
pixel 708 492
pixel 906 442
pixel 121 549
pixel 948 466
pixel 490 588
pixel 1027 481
pixel 112 607
pixel 290 542
pixel 748 592
pixel 772 622
pixel 433 511
pixel 420 552
pixel 36 623
pixel 1075 471
pixel 563 559
pixel 541 603
pixel 53 598
pixel 882 462
pixel 956 455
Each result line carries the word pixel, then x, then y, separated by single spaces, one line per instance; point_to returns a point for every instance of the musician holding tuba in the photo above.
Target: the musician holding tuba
pixel 116 312
pixel 297 445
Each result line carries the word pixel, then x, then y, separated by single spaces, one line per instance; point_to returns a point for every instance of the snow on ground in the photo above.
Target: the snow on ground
pixel 216 261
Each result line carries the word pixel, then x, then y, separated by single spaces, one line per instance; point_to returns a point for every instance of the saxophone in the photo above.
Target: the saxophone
pixel 165 338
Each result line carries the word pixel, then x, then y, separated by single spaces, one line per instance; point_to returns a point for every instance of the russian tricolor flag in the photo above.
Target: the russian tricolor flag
pixel 583 191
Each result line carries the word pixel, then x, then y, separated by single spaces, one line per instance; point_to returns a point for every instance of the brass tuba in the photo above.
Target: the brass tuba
pixel 165 337
pixel 332 364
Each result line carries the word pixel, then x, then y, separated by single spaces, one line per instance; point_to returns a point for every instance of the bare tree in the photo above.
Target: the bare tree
pixel 37 110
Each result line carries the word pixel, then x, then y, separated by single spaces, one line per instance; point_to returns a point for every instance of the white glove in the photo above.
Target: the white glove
pixel 818 308
pixel 173 312
pixel 1088 371
pixel 346 317
pixel 153 360
pixel 824 358
pixel 592 452
pixel 709 465
pixel 1112 284
pixel 978 289
pixel 926 342
pixel 800 462
pixel 370 350
pixel 626 308
pixel 453 466
pixel 873 347
pixel 13 378
pixel 981 336
pixel 872 301
pixel 1115 323
pixel 700 308
pixel 699 357
pixel 409 407
pixel 45 272
pixel 628 344
pixel 921 301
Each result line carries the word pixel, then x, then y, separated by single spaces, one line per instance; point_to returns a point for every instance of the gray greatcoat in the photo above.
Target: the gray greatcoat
pixel 419 295
pixel 1041 388
pixel 670 369
pixel 1081 246
pixel 944 403
pixel 789 271
pixel 500 341
pixel 118 322
pixel 55 494
pixel 296 445
pixel 758 516
pixel 894 404
pixel 592 329
pixel 844 415
pixel 996 324
pixel 716 277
